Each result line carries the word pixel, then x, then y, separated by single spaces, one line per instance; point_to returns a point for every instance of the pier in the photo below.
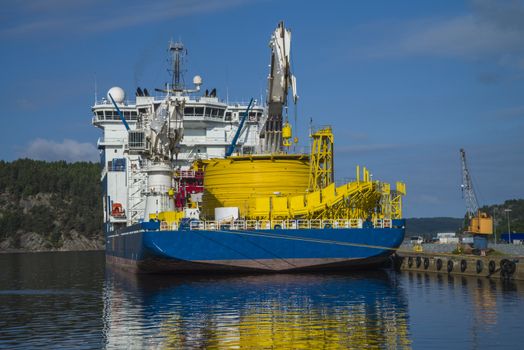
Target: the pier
pixel 495 266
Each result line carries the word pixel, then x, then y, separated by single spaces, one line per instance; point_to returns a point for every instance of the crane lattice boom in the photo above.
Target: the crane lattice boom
pixel 468 193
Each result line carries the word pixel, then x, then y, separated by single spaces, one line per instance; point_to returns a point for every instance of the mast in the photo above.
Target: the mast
pixel 177 84
pixel 177 53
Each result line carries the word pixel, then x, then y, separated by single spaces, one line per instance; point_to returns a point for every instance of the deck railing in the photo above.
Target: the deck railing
pixel 301 224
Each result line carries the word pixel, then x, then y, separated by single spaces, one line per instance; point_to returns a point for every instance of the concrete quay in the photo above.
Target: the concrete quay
pixel 508 267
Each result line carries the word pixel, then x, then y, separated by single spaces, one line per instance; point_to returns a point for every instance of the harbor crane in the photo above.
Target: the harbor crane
pixel 480 223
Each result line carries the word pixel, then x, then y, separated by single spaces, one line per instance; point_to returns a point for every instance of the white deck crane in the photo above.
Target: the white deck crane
pixel 280 80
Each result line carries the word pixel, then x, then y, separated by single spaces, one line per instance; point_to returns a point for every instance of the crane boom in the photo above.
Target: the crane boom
pixel 480 223
pixel 468 193
pixel 280 80
pixel 233 144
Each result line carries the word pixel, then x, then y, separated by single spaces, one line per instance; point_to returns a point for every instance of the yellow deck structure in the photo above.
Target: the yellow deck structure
pixel 269 187
pixel 358 199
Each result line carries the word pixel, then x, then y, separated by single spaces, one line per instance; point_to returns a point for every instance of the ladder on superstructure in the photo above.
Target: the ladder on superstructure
pixel 137 181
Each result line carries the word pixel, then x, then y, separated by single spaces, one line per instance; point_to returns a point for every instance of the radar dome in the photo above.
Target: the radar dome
pixel 118 94
pixel 197 80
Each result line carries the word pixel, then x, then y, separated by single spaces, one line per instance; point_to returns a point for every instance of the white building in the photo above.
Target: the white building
pixel 447 237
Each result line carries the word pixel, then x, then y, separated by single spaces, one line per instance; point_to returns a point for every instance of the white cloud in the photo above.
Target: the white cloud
pixel 466 36
pixel 366 148
pixel 516 113
pixel 492 29
pixel 426 199
pixel 68 150
pixel 85 16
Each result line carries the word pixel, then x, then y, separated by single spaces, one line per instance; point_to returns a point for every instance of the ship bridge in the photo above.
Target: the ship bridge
pixel 209 125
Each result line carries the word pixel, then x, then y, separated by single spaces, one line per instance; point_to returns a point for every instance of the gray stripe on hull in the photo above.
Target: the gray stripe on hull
pixel 259 265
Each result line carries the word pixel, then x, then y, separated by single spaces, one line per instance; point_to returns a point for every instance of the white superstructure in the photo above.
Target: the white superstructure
pixel 148 141
pixel 209 127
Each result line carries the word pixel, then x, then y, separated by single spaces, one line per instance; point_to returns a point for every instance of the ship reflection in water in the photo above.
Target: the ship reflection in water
pixel 262 311
pixel 69 300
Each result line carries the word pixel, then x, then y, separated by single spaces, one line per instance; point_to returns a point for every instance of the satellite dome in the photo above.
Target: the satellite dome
pixel 118 94
pixel 197 80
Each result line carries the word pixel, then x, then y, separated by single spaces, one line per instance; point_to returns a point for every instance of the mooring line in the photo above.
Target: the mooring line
pixel 304 239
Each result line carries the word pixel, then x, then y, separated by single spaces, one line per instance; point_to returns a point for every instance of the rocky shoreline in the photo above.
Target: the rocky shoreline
pixel 34 242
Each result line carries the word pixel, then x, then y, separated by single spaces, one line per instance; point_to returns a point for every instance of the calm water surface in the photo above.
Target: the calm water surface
pixel 70 300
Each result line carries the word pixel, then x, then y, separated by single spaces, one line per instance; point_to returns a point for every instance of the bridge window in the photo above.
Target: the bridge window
pixel 199 111
pixel 111 115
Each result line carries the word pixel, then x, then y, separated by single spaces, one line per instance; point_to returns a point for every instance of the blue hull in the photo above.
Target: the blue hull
pixel 144 249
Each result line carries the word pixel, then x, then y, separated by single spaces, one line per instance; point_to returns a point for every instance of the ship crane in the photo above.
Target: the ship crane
pixel 480 223
pixel 280 80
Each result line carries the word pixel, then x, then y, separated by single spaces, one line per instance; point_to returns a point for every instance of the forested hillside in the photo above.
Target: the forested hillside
pixel 516 215
pixel 50 205
pixel 429 227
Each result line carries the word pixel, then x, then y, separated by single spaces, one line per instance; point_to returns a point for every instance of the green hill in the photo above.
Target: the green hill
pixel 500 216
pixel 50 205
pixel 429 227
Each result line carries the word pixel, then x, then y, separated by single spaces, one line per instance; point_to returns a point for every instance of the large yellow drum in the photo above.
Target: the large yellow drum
pixel 236 181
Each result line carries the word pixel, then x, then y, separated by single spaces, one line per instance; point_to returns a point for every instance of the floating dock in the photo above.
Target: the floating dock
pixel 505 267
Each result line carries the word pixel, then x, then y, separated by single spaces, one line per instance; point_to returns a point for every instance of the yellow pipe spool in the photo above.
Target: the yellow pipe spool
pixel 237 181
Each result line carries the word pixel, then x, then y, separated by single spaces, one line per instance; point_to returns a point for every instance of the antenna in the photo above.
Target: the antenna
pixel 310 132
pixel 177 82
pixel 96 90
pixel 177 52
pixel 227 85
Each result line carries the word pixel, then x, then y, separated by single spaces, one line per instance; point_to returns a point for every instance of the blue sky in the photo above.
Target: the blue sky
pixel 405 84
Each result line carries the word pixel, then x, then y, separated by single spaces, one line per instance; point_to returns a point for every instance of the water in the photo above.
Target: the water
pixel 70 300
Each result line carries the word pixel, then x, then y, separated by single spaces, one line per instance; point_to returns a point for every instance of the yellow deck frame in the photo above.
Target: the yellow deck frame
pixel 321 165
pixel 354 200
pixel 279 187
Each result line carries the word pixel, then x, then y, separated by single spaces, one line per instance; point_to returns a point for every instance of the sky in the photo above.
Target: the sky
pixel 404 84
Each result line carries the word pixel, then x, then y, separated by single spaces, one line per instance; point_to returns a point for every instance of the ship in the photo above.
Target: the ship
pixel 192 183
